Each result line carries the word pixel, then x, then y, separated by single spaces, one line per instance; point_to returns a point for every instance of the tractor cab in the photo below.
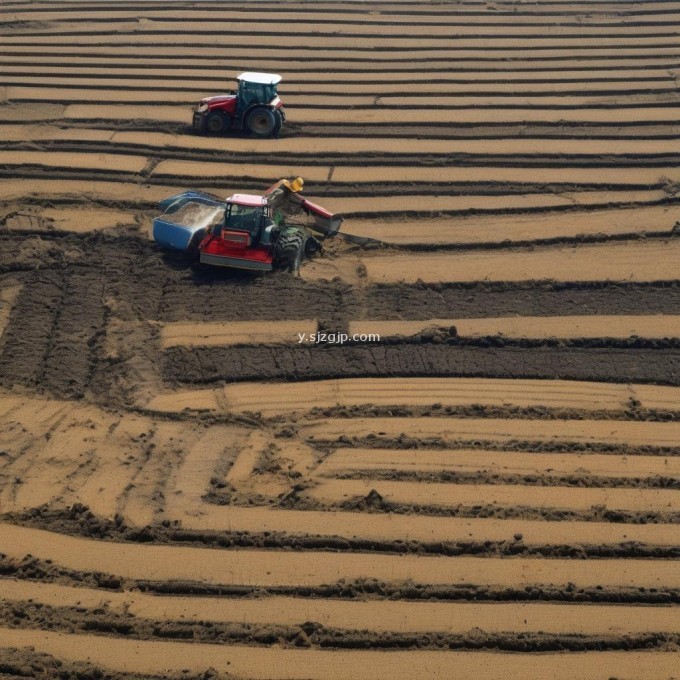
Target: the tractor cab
pixel 257 88
pixel 246 221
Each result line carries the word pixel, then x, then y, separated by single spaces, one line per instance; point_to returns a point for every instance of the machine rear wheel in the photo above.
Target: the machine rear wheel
pixel 216 123
pixel 261 121
pixel 279 116
pixel 289 250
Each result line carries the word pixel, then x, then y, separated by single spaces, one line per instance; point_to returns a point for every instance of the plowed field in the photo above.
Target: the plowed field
pixel 449 448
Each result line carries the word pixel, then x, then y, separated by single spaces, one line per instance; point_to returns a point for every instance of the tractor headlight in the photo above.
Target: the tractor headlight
pixel 202 108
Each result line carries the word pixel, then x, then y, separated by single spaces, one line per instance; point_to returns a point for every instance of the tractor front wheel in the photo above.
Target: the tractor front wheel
pixel 289 250
pixel 261 121
pixel 216 123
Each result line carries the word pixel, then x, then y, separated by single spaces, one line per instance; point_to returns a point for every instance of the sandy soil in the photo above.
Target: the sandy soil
pixel 300 77
pixel 325 145
pixel 637 433
pixel 349 460
pixel 152 657
pixel 304 396
pixel 235 333
pixel 377 616
pixel 266 567
pixel 79 220
pixel 646 261
pixel 115 162
pixel 379 205
pixel 522 228
pixel 415 493
pixel 183 485
pixel 353 91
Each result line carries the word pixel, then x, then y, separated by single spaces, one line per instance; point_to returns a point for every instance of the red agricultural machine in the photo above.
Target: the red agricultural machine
pixel 255 107
pixel 276 230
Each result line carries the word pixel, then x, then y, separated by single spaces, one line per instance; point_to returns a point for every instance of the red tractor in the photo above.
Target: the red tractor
pixel 274 231
pixel 255 107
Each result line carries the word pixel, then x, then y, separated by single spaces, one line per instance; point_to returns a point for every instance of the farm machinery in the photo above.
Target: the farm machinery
pixel 255 107
pixel 246 231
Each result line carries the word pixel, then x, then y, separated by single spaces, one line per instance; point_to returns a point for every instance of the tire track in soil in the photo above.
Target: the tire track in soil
pixel 28 336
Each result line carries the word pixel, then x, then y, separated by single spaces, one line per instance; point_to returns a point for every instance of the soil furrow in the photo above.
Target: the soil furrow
pixel 152 656
pixel 270 567
pixel 27 616
pixel 484 68
pixel 200 366
pixel 141 610
pixel 30 569
pixel 109 69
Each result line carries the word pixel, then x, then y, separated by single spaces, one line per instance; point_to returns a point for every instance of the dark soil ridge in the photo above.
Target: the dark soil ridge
pixel 79 521
pixel 583 481
pixel 434 410
pixel 118 70
pixel 45 227
pixel 184 40
pixel 637 101
pixel 325 190
pixel 383 65
pixel 103 621
pixel 33 570
pixel 206 366
pixel 440 336
pixel 232 16
pixel 400 90
pixel 224 72
pixel 349 159
pixel 237 25
pixel 373 502
pixel 12 208
pixel 522 244
pixel 227 70
pixel 404 441
pixel 27 664
pixel 481 9
pixel 597 513
pixel 625 130
pixel 625 15
pixel 348 190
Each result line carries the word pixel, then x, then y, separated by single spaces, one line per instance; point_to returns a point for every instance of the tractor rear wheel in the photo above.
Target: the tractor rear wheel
pixel 261 121
pixel 289 250
pixel 216 123
pixel 279 122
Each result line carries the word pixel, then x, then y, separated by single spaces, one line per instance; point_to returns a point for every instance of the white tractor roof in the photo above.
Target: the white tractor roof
pixel 247 199
pixel 261 78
